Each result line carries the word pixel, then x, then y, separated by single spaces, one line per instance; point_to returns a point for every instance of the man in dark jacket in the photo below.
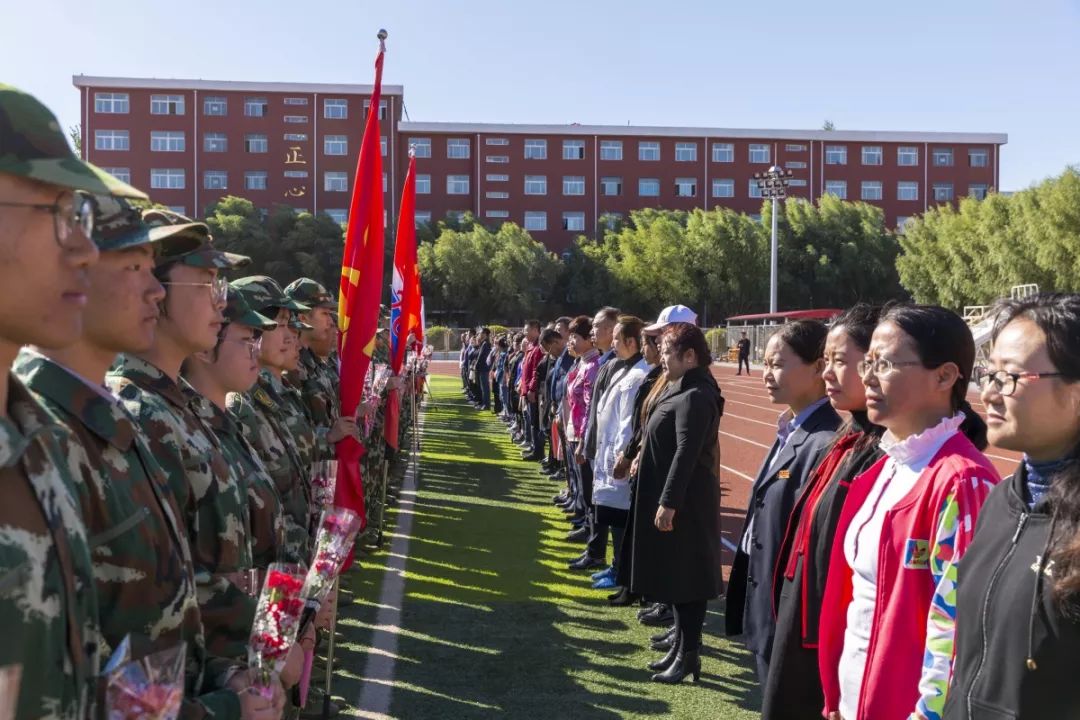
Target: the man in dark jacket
pixel 482 366
pixel 744 353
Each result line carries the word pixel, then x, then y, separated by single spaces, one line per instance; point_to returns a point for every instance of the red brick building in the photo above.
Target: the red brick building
pixel 188 142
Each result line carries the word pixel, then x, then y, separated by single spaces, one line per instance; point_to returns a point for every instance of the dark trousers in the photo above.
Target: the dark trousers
pixel 744 360
pixel 465 377
pixel 497 397
pixel 485 388
pixel 598 536
pixel 690 618
pixel 536 437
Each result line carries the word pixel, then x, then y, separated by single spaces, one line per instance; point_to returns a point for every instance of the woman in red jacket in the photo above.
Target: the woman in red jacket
pixel 888 620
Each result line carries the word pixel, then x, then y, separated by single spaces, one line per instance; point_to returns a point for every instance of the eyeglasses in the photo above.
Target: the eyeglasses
pixel 71 211
pixel 219 288
pixel 254 345
pixel 1004 382
pixel 883 366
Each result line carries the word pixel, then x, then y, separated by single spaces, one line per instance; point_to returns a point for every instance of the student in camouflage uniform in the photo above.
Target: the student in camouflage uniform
pixel 48 607
pixel 233 366
pixel 143 570
pixel 211 494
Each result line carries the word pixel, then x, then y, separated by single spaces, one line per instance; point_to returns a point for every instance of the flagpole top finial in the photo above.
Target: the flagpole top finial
pixel 382 34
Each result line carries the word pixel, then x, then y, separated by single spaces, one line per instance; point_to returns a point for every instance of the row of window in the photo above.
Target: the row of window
pixel 176 141
pixel 176 179
pixel 649 151
pixel 117 103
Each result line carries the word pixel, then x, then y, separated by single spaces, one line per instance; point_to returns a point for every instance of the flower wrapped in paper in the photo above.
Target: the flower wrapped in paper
pixel 150 688
pixel 323 484
pixel 277 620
pixel 333 542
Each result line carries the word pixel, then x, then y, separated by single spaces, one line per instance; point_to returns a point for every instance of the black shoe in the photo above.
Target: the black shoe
pixel 659 619
pixel 673 651
pixel 686 663
pixel 532 457
pixel 559 499
pixel 666 635
pixel 587 563
pixel 650 608
pixel 623 598
pixel 579 535
pixel 664 645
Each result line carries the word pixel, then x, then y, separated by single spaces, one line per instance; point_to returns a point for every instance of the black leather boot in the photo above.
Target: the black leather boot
pixel 685 663
pixel 666 635
pixel 674 653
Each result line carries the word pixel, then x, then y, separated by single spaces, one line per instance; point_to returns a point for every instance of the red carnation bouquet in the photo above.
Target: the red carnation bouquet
pixel 277 620
pixel 333 542
pixel 151 688
pixel 323 483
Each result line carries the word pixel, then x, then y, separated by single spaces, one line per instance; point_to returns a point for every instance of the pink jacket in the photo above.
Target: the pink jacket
pixel 959 476
pixel 579 388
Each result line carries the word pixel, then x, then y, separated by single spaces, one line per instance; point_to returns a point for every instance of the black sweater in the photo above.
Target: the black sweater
pixel 1017 655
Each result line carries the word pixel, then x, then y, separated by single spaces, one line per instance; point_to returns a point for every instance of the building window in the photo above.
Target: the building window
pixel 573 149
pixel 755 191
pixel 535 185
pixel 167 179
pixel 335 109
pixel 112 103
pixel 256 144
pixel 978 158
pixel 384 182
pixel 723 152
pixel 296 137
pixel 496 195
pixel 296 101
pixel 215 106
pixel 496 141
pixel 796 182
pixel 611 149
pixel 536 149
pixel 421 147
pixel 611 186
pixel 648 187
pixel 611 220
pixel 907 156
pixel 382 108
pixel 573 221
pixel 296 174
pixel 340 216
pixel 498 178
pixel 497 214
pixel 423 217
pixel 498 159
pixel 871 155
pixel 335 145
pixel 836 155
pixel 796 165
pixel 943 157
pixel 901 221
pixel 112 140
pixel 871 190
pixel 255 106
pixel 296 119
pixel 685 152
pixel 166 104
pixel 423 184
pixel 457 184
pixel 837 188
pixel 723 188
pixel 215 180
pixel 685 187
pixel 123 174
pixel 794 148
pixel 908 191
pixel 978 191
pixel 943 192
pixel 255 180
pixel 336 182
pixel 535 220
pixel 457 148
pixel 573 185
pixel 760 153
pixel 178 209
pixel 215 142
pixel 167 141
pixel 383 146
pixel 648 151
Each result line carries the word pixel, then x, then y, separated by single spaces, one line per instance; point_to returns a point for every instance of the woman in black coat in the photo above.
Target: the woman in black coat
pixel 676 545
pixel 1018 594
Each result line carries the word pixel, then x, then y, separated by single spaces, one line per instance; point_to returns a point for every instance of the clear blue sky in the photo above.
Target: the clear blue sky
pixel 961 65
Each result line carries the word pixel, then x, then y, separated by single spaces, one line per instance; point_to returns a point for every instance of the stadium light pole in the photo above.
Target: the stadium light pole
pixel 773 185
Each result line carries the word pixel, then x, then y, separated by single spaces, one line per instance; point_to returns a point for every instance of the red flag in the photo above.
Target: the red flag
pixel 361 288
pixel 405 301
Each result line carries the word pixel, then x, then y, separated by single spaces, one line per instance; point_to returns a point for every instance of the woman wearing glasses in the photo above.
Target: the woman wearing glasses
pixel 888 620
pixel 1018 603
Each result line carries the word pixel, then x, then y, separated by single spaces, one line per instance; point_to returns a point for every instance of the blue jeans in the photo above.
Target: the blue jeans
pixel 485 388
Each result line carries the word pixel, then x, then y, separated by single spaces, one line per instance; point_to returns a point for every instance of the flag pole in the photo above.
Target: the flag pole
pixel 330 654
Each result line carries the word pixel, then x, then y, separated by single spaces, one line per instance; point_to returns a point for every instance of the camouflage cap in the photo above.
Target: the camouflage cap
pixel 118 225
pixel 262 292
pixel 203 255
pixel 311 293
pixel 33 146
pixel 297 324
pixel 239 311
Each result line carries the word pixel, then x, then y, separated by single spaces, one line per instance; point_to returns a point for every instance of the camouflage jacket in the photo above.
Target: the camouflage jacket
pixel 48 607
pixel 212 497
pixel 262 414
pixel 142 562
pixel 264 502
pixel 318 391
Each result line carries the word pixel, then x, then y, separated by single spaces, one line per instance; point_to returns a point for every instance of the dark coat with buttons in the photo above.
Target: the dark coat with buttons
pixel 750 599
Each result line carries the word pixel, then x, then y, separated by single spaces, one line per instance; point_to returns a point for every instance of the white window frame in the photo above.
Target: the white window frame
pixel 295 119
pixel 646 148
pixel 978 152
pixel 213 103
pixel 836 154
pixel 573 221
pixel 112 140
pixel 168 179
pixel 497 142
pixel 795 165
pixel 250 105
pixel 423 184
pixel 653 182
pixel 536 184
pixel 498 159
pixel 382 108
pixel 122 174
pixel 296 101
pixel 211 142
pixel 257 138
pixel 535 149
pixel 611 150
pixel 495 177
pixel 907 156
pixel 252 178
pixel 790 147
pixel 112 103
pixel 296 174
pixel 837 188
pixel 873 155
pixel 497 195
pixel 167 104
pixel 458 149
pixel 946 189
pixel 295 137
pixel 497 214
pixel 538 218
pixel 335 108
pixel 421 217
pixel 871 191
pixel 607 182
pixel 335 144
pixel 904 186
pixel 681 185
pixel 754 189
pixel 761 151
pixel 573 149
pixel 949 153
pixel 573 185
pixel 167 141
pixel 723 152
pixel 686 152
pixel 719 183
pixel 335 181
pixel 979 191
pixel 421 146
pixel 457 185
pixel 215 174
pixel 338 215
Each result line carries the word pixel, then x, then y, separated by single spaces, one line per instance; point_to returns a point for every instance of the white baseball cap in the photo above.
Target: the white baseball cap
pixel 672 314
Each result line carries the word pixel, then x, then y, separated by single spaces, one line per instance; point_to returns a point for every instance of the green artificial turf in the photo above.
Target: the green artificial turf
pixel 493 625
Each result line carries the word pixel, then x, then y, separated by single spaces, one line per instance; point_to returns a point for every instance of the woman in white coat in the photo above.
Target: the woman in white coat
pixel 615 414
